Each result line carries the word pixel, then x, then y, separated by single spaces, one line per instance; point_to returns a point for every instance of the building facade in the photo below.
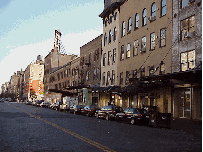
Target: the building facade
pixel 90 71
pixel 33 80
pixel 187 58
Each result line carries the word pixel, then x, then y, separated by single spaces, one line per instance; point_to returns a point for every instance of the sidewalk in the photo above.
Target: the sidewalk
pixel 193 127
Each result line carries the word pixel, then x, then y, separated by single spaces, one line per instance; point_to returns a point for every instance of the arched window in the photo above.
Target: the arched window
pixel 129 24
pixel 136 21
pixel 114 33
pixel 123 29
pixel 110 36
pixel 153 10
pixel 163 7
pixel 105 39
pixel 144 17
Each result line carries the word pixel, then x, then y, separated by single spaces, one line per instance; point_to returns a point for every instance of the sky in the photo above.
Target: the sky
pixel 27 29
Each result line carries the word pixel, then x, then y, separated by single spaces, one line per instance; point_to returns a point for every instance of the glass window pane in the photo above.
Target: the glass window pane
pixel 192 24
pixel 163 3
pixel 163 12
pixel 184 3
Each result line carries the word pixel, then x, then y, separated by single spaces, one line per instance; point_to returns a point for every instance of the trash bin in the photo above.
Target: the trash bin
pixel 160 119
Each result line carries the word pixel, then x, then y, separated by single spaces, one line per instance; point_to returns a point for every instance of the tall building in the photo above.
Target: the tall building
pixel 54 60
pixel 187 58
pixel 110 49
pixel 33 80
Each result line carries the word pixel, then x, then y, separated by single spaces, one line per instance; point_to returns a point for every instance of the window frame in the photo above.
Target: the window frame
pixel 181 3
pixel 153 11
pixel 152 41
pixel 127 77
pixel 163 7
pixel 123 29
pixel 104 59
pixel 114 33
pixel 129 24
pixel 109 55
pixel 135 47
pixel 144 18
pixel 188 29
pixel 128 50
pixel 136 21
pixel 121 79
pixel 103 78
pixel 110 35
pixel 114 56
pixel 113 77
pixel 188 61
pixel 122 53
pixel 163 38
pixel 105 39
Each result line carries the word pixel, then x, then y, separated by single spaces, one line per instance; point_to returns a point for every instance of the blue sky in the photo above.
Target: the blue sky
pixel 27 29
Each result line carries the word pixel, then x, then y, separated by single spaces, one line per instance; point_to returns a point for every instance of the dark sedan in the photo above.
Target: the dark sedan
pixel 76 109
pixel 89 110
pixel 108 112
pixel 134 116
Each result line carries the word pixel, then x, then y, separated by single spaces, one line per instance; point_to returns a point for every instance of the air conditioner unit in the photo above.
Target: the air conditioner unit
pixel 143 50
pixel 190 1
pixel 188 34
pixel 151 18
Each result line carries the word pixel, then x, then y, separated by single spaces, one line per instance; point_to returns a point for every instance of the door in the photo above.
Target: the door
pixel 185 104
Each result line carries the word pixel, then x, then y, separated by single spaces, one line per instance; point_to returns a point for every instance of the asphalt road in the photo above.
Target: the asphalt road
pixel 28 128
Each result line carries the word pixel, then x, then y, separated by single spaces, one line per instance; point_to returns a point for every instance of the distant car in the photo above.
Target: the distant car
pixel 108 112
pixel 89 110
pixel 64 107
pixel 76 109
pixel 133 115
pixel 44 104
pixel 39 102
pixel 52 105
pixel 57 106
pixel 28 102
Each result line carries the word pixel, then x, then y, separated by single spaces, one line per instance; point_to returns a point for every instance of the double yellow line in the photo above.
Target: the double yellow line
pixel 91 142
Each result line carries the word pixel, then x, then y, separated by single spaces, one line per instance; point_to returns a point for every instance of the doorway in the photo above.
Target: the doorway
pixel 185 103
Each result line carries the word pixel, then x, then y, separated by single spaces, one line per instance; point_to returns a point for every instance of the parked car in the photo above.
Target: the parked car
pixel 134 116
pixel 76 109
pixel 108 112
pixel 44 104
pixel 57 106
pixel 39 102
pixel 28 102
pixel 34 103
pixel 71 109
pixel 89 110
pixel 52 105
pixel 64 107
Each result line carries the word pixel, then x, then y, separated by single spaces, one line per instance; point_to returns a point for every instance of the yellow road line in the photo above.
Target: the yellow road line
pixel 91 142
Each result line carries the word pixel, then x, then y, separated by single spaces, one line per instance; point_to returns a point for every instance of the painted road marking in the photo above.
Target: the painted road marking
pixel 91 142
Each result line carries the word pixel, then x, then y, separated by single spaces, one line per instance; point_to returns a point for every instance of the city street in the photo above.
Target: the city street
pixel 30 128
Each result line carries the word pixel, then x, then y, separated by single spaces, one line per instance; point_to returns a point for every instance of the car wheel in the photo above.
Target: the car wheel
pixel 88 114
pixel 97 116
pixel 132 121
pixel 107 117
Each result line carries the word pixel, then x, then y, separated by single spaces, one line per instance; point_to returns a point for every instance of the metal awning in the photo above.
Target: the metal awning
pixel 63 92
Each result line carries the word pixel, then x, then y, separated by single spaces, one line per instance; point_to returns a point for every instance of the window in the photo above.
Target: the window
pixel 121 78
pixel 127 77
pixel 163 37
pixel 114 33
pixel 87 75
pixel 103 78
pixel 153 10
pixel 122 52
pixel 115 16
pixel 108 78
pixel 135 48
pixel 114 56
pixel 128 51
pixel 184 3
pixel 142 72
pixel 163 7
pixel 162 68
pixel 151 70
pixel 187 25
pixel 113 77
pixel 104 59
pixel 110 36
pixel 134 72
pixel 152 41
pixel 105 39
pixel 187 60
pixel 61 75
pixel 143 45
pixel 109 55
pixel 136 21
pixel 105 23
pixel 144 17
pixel 123 29
pixel 129 24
